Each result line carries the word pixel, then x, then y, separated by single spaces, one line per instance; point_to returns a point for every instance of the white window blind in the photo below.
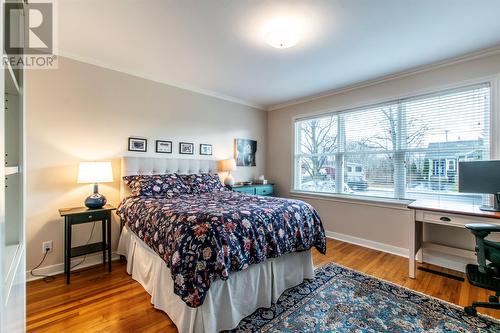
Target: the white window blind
pixel 404 149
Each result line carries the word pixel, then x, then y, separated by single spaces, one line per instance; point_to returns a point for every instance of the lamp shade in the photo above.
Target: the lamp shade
pixel 95 172
pixel 227 165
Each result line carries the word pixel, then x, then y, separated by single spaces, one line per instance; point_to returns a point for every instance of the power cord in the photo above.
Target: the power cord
pixel 46 278
pixel 49 278
pixel 88 241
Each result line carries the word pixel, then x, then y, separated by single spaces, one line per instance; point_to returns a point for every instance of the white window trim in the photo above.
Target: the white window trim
pixel 354 199
pixel 493 80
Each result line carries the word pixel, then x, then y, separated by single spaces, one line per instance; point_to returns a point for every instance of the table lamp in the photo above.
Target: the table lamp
pixel 95 172
pixel 228 166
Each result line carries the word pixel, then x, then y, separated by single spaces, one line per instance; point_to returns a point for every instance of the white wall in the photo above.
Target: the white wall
pixel 82 112
pixel 378 224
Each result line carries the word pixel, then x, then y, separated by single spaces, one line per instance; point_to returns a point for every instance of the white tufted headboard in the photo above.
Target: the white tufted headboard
pixel 158 166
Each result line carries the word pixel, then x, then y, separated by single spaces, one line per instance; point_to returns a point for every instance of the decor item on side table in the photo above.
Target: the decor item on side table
pixel 164 147
pixel 228 166
pixel 81 215
pixel 244 152
pixel 186 148
pixel 205 149
pixel 261 180
pixel 94 173
pixel 137 144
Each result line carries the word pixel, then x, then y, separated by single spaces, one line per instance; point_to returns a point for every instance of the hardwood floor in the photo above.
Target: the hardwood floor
pixel 98 301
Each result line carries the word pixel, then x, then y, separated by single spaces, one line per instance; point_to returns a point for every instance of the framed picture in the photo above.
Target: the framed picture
pixel 164 147
pixel 205 149
pixel 186 148
pixel 244 152
pixel 137 144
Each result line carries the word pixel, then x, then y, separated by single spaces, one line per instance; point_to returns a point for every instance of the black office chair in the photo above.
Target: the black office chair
pixel 487 273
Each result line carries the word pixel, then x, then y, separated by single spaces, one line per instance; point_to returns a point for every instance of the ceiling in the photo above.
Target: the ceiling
pixel 218 47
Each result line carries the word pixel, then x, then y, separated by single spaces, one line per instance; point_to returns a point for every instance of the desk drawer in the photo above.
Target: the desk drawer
pixel 89 217
pixel 447 219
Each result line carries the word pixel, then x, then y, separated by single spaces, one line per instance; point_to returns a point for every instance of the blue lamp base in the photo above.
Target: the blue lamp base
pixel 95 200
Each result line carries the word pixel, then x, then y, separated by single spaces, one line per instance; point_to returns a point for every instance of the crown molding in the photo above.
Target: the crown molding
pixel 198 90
pixel 416 70
pixel 363 84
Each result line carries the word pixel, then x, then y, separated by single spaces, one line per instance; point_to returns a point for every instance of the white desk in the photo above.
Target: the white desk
pixel 448 214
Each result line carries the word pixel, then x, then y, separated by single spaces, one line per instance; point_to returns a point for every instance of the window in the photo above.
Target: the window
pixel 438 167
pixel 404 149
pixel 451 165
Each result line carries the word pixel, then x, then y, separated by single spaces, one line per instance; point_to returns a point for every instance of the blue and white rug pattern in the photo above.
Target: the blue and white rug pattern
pixel 339 299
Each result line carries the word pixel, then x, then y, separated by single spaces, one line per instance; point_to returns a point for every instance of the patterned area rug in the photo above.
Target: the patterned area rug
pixel 342 300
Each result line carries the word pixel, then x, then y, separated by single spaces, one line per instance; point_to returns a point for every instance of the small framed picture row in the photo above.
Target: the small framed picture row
pixel 166 147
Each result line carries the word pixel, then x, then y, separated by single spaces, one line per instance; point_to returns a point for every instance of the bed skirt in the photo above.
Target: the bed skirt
pixel 227 302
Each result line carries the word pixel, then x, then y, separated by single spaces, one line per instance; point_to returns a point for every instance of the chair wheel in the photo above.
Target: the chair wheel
pixel 471 311
pixel 493 299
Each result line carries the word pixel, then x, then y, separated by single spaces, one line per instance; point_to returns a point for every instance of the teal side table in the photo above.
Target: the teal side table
pixel 256 189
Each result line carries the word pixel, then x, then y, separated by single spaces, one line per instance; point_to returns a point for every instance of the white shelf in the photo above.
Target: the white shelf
pixel 11 84
pixel 12 259
pixel 10 254
pixel 447 256
pixel 11 170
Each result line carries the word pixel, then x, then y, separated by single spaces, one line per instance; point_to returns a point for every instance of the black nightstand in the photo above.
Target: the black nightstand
pixel 81 215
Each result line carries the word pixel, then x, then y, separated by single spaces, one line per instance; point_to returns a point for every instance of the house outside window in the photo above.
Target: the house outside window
pixel 404 149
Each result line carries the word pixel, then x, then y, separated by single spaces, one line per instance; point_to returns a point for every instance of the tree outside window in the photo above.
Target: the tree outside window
pixel 403 149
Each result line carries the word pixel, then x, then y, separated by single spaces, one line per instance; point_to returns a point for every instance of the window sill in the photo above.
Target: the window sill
pixel 361 200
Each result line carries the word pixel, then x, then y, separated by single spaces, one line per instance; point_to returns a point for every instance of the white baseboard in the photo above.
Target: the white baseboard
pixel 432 257
pixel 91 260
pixel 399 251
pixel 434 254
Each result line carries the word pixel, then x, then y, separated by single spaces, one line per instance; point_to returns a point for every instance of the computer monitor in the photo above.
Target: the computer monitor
pixel 480 177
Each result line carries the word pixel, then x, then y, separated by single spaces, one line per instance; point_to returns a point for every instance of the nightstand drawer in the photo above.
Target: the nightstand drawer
pixel 89 217
pixel 249 190
pixel 264 190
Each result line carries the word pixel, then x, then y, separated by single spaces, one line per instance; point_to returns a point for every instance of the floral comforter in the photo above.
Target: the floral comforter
pixel 204 237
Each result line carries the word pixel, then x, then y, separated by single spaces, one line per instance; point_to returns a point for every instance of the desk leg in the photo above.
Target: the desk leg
pixel 416 237
pixel 68 248
pixel 414 246
pixel 108 234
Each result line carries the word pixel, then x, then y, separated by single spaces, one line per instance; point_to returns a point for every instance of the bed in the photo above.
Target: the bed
pixel 210 259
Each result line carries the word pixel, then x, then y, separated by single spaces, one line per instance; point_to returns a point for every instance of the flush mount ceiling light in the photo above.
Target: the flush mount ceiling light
pixel 283 33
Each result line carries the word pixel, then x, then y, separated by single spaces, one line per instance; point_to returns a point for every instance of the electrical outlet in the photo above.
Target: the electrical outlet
pixel 47 246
